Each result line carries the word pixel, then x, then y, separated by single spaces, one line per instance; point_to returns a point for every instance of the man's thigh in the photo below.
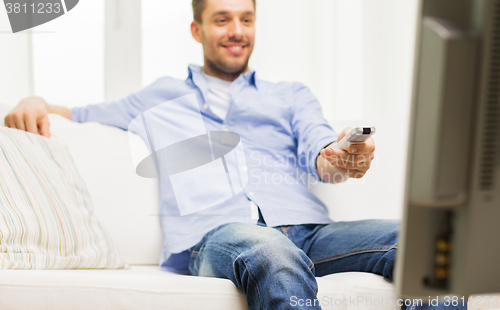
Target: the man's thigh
pixel 215 255
pixel 365 246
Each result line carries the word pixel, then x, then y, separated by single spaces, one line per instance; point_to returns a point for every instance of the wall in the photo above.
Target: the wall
pixel 15 63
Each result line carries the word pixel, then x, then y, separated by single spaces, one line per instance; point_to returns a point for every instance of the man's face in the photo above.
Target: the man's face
pixel 227 34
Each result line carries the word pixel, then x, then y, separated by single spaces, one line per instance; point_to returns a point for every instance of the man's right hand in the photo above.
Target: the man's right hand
pixel 31 114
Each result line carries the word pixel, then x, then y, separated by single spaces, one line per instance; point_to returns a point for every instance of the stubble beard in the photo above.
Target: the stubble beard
pixel 220 67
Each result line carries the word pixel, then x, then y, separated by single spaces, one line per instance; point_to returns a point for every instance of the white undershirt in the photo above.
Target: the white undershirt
pixel 219 99
pixel 218 96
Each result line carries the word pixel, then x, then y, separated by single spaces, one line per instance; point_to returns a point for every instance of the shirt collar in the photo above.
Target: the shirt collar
pixel 194 73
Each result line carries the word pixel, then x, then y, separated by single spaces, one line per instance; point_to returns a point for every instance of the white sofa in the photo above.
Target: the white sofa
pixel 128 207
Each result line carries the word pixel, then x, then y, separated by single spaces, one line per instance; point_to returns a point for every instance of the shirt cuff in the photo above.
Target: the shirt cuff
pixel 321 145
pixel 76 115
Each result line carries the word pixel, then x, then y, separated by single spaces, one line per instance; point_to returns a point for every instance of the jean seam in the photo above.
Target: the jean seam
pixel 353 252
pixel 252 278
pixel 230 251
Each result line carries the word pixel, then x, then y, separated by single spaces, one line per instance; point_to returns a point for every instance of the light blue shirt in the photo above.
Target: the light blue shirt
pixel 282 130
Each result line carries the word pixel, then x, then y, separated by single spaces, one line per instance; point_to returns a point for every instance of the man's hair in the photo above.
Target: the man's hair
pixel 199 6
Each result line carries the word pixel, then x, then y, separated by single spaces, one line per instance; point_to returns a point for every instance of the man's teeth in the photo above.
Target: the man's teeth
pixel 236 47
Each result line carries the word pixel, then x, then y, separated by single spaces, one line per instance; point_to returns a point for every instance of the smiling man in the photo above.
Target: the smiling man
pixel 274 257
pixel 227 46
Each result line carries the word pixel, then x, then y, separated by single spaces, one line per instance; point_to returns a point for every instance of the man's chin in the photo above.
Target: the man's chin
pixel 235 69
pixel 231 67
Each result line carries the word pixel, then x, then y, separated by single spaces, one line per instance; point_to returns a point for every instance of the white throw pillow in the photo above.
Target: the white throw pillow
pixel 47 216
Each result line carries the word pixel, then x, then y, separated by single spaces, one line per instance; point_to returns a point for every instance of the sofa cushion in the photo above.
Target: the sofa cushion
pixel 46 212
pixel 127 204
pixel 148 287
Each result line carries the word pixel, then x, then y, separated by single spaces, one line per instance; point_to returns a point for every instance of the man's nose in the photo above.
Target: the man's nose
pixel 236 29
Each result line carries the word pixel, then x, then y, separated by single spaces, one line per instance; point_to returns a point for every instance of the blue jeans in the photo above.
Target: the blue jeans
pixel 271 264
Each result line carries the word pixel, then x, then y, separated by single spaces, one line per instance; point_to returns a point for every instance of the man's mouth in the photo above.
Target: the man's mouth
pixel 235 49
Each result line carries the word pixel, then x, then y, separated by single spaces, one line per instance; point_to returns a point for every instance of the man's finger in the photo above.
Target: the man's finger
pixel 6 121
pixel 18 121
pixel 330 151
pixel 30 123
pixel 363 165
pixel 343 133
pixel 337 155
pixel 363 148
pixel 356 174
pixel 332 154
pixel 44 126
pixel 343 174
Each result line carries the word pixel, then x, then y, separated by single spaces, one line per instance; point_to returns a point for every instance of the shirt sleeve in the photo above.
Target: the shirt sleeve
pixel 310 128
pixel 118 113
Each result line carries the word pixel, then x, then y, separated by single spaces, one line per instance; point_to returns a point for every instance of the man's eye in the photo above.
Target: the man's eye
pixel 221 20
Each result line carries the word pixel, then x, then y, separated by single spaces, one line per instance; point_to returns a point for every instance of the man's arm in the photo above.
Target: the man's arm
pixel 311 130
pixel 55 109
pixel 31 114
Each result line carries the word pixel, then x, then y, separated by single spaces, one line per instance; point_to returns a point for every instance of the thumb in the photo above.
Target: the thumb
pixel 44 125
pixel 332 153
pixel 343 133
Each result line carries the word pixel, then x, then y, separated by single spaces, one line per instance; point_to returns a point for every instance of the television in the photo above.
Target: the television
pixel 449 241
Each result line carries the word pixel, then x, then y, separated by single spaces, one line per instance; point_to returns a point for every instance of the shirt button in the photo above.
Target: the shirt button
pixel 225 129
pixel 205 106
pixel 244 168
pixel 251 193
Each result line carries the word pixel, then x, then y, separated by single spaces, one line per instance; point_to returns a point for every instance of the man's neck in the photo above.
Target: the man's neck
pixel 208 70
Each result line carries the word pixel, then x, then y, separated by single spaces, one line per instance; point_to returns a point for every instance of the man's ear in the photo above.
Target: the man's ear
pixel 195 31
